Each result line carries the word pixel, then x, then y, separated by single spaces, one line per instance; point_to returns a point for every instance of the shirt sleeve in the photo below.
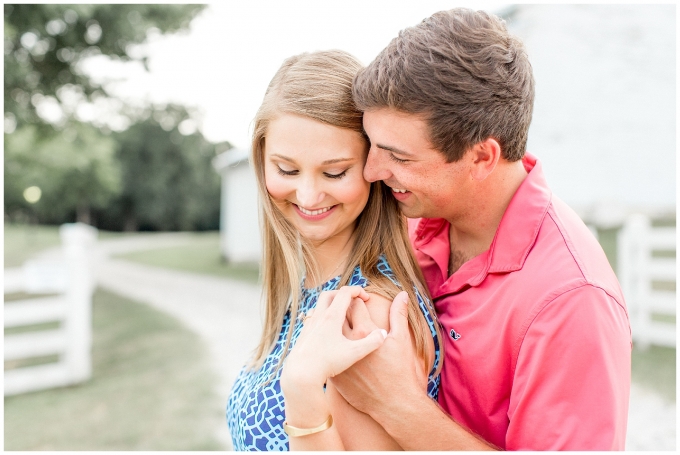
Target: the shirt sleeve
pixel 572 377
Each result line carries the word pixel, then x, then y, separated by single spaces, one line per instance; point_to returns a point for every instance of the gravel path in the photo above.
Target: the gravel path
pixel 226 314
pixel 651 421
pixel 223 312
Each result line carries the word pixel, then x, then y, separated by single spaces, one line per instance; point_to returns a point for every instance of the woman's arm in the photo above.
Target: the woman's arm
pixel 333 339
pixel 308 407
pixel 321 352
pixel 358 431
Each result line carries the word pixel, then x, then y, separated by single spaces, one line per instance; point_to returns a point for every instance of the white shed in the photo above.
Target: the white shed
pixel 240 239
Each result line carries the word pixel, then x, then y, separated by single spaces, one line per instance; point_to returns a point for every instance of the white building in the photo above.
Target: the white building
pixel 240 239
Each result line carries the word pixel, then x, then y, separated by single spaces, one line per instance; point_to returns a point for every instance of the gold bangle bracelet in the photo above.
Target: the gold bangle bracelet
pixel 297 432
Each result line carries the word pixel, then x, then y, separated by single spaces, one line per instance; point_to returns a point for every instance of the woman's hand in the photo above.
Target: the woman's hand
pixel 321 350
pixel 369 386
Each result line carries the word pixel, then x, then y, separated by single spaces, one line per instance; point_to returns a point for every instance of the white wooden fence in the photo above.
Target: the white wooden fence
pixel 70 278
pixel 638 269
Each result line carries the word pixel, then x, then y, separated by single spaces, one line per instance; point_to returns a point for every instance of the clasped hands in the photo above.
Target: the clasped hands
pixel 329 342
pixel 339 332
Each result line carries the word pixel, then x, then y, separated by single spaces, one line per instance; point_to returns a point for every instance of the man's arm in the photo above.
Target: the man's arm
pixel 385 385
pixel 572 378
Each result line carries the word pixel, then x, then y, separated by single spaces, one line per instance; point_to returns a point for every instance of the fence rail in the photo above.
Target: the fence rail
pixel 35 311
pixel 35 344
pixel 71 308
pixel 641 272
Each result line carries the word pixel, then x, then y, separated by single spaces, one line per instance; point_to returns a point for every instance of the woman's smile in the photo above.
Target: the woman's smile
pixel 315 215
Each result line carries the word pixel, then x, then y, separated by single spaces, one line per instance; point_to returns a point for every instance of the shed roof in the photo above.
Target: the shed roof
pixel 230 158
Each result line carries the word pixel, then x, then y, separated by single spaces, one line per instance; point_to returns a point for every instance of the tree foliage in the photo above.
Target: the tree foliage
pixel 76 171
pixel 168 179
pixel 44 44
pixel 150 176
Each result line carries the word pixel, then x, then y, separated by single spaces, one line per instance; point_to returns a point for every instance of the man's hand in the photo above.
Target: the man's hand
pixel 388 385
pixel 388 374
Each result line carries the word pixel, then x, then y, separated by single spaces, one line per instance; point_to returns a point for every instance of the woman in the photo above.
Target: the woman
pixel 324 227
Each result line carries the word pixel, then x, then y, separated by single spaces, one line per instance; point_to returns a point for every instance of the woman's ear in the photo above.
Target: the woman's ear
pixel 484 158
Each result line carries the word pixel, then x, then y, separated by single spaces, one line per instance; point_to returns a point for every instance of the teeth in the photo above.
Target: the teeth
pixel 314 212
pixel 396 190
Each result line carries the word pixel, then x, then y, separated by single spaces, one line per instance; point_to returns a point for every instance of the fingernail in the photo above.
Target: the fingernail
pixel 404 297
pixel 384 333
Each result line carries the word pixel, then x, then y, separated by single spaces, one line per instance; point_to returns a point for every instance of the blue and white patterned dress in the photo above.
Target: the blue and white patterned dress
pixel 255 411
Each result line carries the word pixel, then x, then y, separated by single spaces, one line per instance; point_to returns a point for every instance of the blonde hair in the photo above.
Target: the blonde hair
pixel 319 86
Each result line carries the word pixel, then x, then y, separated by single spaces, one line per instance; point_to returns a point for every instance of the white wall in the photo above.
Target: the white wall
pixel 604 117
pixel 241 239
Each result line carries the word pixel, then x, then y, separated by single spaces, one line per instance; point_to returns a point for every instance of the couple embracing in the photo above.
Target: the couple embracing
pixel 424 289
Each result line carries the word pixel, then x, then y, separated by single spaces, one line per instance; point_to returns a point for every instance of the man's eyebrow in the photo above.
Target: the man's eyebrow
pixel 393 149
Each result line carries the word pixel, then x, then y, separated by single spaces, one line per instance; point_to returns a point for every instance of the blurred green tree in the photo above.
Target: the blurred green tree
pixel 167 175
pixel 75 165
pixel 76 171
pixel 45 43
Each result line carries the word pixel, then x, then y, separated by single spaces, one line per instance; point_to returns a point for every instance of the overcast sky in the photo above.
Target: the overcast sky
pixel 225 62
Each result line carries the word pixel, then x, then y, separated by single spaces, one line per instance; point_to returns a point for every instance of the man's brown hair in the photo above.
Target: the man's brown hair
pixel 465 73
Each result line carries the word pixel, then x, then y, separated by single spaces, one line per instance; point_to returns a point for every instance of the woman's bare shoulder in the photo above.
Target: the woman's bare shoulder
pixel 378 307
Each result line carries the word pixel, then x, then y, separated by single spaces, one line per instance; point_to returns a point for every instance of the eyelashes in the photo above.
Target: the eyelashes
pixel 282 172
pixel 335 176
pixel 395 159
pixel 295 172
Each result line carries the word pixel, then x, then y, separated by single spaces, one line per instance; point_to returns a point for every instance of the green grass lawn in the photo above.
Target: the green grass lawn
pixel 23 241
pixel 151 390
pixel 654 368
pixel 201 255
pixel 607 239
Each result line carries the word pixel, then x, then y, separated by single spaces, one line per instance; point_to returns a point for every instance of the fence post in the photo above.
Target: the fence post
pixel 633 263
pixel 77 239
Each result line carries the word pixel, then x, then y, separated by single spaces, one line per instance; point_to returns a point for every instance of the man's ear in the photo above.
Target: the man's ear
pixel 484 158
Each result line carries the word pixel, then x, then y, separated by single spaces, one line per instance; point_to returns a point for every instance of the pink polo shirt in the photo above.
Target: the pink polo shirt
pixel 538 344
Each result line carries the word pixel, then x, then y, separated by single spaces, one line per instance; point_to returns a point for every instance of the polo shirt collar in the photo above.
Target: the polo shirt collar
pixel 521 221
pixel 516 234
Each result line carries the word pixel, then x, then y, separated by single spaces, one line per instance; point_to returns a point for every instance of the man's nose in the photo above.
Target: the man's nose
pixel 309 194
pixel 375 169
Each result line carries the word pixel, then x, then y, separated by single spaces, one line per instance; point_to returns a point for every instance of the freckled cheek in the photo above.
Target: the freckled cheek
pixel 440 195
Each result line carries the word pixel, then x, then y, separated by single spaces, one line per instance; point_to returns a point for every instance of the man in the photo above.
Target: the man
pixel 537 339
